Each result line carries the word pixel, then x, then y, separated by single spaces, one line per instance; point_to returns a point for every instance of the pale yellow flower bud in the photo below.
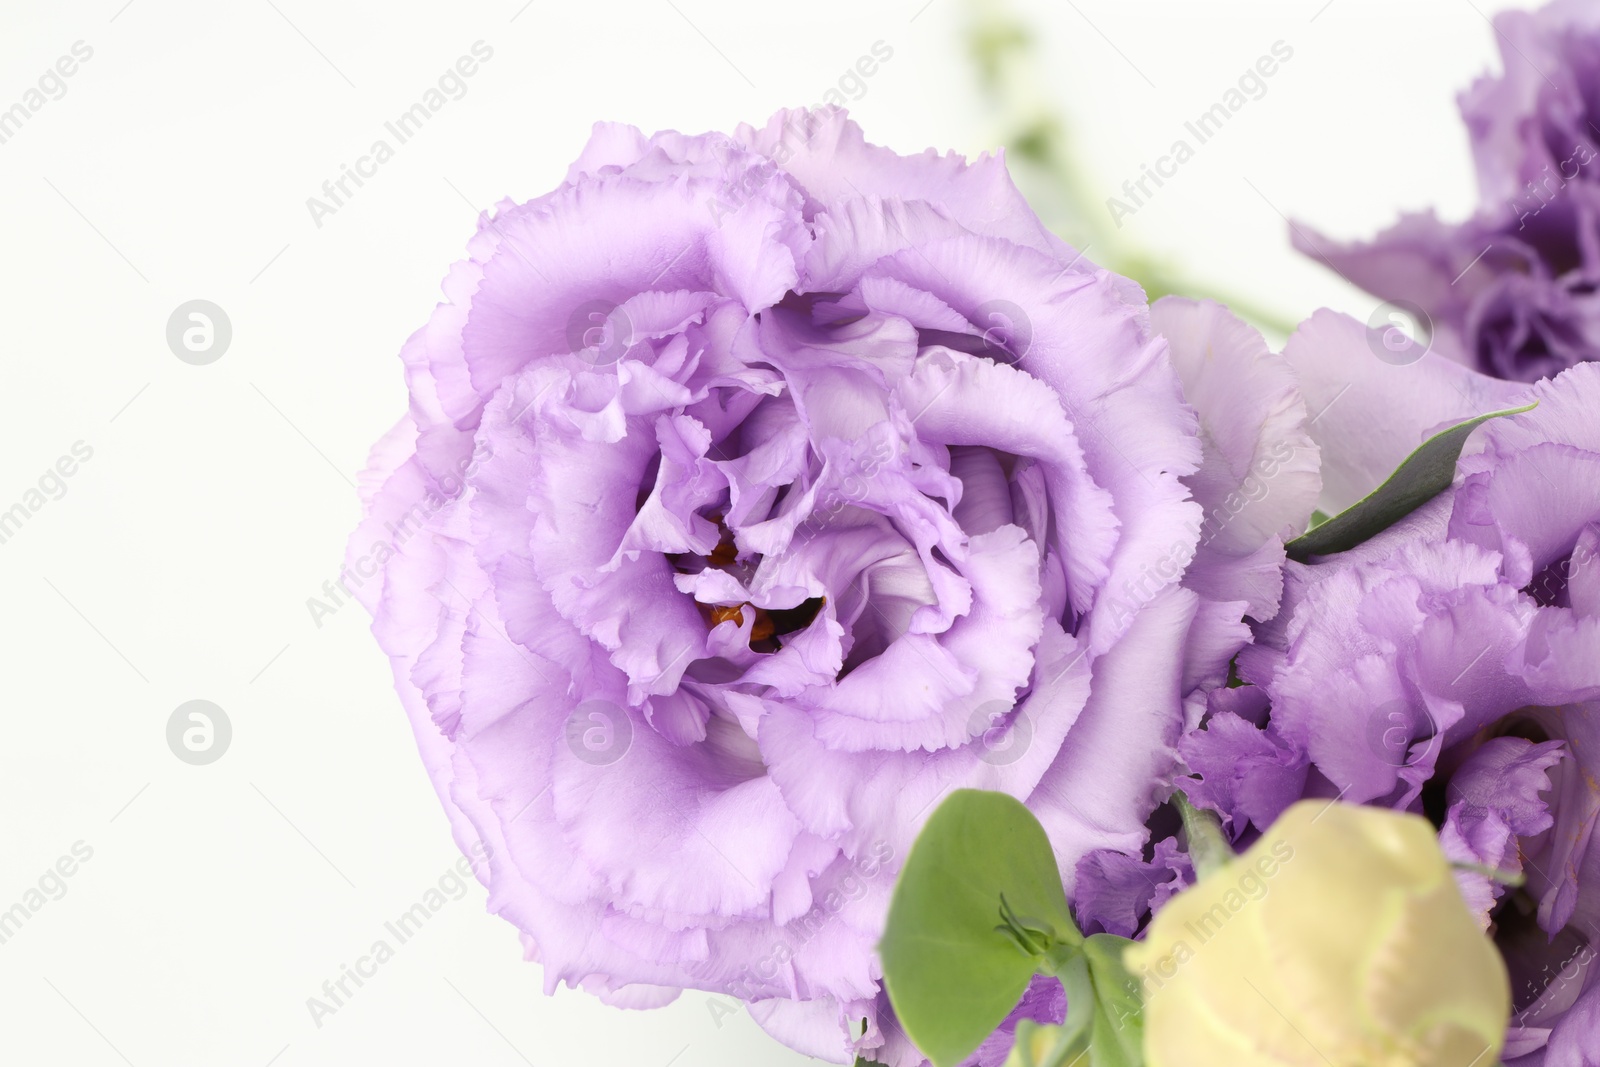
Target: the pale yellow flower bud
pixel 1338 940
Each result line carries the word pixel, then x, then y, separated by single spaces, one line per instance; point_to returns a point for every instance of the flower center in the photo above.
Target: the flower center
pixel 770 624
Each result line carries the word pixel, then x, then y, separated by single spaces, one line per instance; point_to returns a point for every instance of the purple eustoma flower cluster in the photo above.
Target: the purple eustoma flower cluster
pixel 758 491
pixel 1514 291
pixel 1449 665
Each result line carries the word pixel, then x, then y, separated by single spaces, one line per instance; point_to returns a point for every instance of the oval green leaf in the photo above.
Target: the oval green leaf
pixel 952 974
pixel 1423 475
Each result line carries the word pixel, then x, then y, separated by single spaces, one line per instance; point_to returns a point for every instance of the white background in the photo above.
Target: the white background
pixel 178 563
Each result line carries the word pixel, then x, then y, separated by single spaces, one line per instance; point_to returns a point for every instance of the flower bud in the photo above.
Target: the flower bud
pixel 1338 940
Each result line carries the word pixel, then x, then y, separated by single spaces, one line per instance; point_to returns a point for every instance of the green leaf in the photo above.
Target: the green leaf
pixel 1425 474
pixel 954 968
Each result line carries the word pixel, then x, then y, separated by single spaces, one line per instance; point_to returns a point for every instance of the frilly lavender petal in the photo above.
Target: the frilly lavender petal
pixel 1117 892
pixel 756 492
pixel 1495 799
pixel 1246 771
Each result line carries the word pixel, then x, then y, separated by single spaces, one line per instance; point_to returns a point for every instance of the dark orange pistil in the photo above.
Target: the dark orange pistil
pixel 762 629
pixel 768 626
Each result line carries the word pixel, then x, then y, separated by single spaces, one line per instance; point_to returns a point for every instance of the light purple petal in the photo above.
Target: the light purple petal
pixel 1368 415
pixel 1259 477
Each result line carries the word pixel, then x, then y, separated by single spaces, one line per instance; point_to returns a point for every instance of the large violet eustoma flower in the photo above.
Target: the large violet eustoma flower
pixel 1449 666
pixel 1514 291
pixel 758 491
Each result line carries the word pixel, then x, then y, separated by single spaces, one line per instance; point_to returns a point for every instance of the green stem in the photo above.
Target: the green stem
pixel 1208 848
pixel 1494 874
pixel 1060 957
pixel 1041 152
